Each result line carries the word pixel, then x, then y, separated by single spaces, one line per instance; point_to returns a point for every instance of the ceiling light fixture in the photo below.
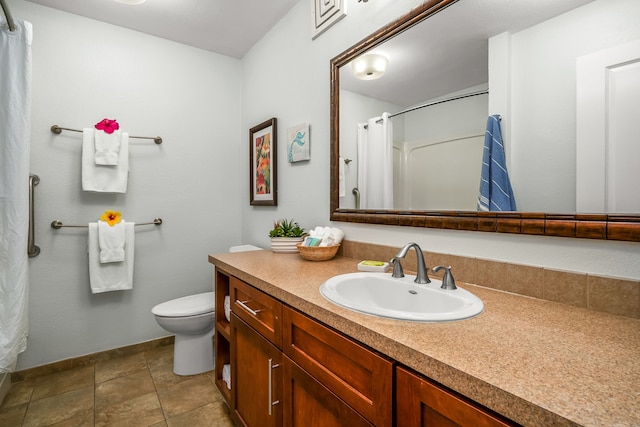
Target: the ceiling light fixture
pixel 131 1
pixel 370 66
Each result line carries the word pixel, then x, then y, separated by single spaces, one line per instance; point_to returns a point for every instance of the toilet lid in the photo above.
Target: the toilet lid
pixel 191 305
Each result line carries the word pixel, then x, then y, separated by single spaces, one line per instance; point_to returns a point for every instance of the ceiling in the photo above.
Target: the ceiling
pixel 227 27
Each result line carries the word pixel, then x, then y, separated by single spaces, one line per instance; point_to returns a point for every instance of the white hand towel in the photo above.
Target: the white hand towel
pixel 110 276
pixel 111 240
pixel 104 178
pixel 107 147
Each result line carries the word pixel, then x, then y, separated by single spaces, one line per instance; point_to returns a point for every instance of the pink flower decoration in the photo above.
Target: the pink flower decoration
pixel 108 126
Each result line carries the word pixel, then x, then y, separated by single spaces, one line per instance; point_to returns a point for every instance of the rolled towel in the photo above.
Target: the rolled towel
pixel 328 236
pixel 227 308
pixel 336 235
pixel 111 239
pixel 107 148
pixel 226 375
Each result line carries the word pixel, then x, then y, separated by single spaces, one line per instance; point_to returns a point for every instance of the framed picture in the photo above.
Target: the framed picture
pixel 325 13
pixel 262 164
pixel 298 143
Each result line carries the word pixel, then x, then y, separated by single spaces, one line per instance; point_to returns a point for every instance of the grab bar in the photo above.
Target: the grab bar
pixel 32 249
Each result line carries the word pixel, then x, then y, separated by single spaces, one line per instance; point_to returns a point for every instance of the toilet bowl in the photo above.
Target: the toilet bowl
pixel 191 319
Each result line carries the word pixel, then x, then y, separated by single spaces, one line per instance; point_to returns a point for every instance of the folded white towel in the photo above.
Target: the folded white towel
pixel 226 375
pixel 107 147
pixel 104 178
pixel 111 240
pixel 113 276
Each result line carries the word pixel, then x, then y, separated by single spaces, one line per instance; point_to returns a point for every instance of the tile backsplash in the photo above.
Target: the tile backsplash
pixel 607 294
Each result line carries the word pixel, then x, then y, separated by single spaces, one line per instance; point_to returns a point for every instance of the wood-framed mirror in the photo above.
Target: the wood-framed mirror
pixel 562 221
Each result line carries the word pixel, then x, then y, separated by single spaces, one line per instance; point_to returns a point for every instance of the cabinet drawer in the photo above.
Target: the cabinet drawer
pixel 262 312
pixel 357 375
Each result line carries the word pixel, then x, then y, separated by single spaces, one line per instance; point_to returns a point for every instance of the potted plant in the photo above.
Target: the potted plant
pixel 284 235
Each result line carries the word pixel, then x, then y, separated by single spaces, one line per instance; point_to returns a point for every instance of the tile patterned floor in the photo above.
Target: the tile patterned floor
pixel 133 391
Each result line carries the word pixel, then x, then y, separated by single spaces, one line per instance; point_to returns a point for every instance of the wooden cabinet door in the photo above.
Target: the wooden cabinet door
pixel 306 402
pixel 256 377
pixel 354 373
pixel 420 402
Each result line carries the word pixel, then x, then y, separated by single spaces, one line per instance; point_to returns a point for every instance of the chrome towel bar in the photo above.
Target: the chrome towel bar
pixel 57 224
pixel 57 130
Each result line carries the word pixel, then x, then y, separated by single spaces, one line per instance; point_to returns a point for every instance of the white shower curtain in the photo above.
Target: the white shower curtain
pixel 375 163
pixel 15 118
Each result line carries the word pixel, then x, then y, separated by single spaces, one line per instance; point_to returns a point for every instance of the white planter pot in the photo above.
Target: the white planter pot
pixel 285 245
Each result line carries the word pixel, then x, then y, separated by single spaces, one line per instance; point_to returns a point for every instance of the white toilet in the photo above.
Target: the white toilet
pixel 191 319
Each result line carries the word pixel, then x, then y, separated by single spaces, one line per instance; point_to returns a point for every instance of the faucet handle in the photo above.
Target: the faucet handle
pixel 397 268
pixel 448 282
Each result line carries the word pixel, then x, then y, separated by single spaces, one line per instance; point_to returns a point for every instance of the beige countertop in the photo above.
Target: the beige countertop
pixel 539 363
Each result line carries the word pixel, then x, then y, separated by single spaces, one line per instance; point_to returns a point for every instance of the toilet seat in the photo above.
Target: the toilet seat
pixel 191 305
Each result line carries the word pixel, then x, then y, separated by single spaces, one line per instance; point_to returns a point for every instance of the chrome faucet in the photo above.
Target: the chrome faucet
pixel 421 276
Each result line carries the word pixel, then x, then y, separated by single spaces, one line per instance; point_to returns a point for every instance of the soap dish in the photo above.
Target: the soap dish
pixel 369 265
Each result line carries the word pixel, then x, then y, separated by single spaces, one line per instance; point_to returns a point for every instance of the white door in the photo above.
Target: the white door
pixel 608 130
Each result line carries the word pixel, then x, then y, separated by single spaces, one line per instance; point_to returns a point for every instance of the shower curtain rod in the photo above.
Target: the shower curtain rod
pixel 429 104
pixel 57 224
pixel 57 130
pixel 442 101
pixel 7 14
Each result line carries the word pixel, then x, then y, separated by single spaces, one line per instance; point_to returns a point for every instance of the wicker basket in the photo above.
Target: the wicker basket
pixel 317 253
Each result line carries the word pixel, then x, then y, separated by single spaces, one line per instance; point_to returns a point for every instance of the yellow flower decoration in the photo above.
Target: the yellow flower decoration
pixel 111 217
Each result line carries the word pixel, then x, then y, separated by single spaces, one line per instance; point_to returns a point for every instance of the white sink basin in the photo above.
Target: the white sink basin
pixel 382 295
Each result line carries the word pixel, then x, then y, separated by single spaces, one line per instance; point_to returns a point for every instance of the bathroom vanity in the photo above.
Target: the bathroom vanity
pixel 298 359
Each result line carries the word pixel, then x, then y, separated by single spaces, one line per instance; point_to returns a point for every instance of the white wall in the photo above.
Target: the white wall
pixel 302 92
pixel 83 71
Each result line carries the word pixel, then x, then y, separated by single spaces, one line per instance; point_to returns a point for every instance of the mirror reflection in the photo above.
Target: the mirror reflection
pixel 527 62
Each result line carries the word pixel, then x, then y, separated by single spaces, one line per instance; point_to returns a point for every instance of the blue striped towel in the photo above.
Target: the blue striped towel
pixel 495 188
